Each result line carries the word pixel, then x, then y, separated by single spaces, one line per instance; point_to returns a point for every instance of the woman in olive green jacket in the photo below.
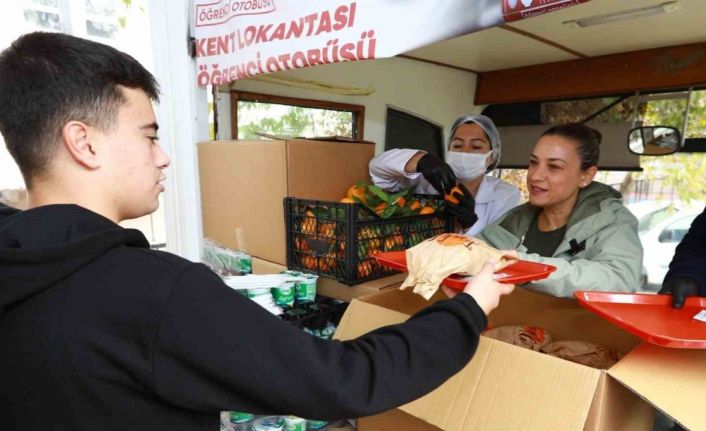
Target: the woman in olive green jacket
pixel 579 226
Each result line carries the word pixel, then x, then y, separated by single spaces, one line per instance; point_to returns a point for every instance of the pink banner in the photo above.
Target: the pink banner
pixel 237 39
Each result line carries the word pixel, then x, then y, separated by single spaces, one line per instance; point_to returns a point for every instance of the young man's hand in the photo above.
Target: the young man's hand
pixel 680 288
pixel 510 253
pixel 484 289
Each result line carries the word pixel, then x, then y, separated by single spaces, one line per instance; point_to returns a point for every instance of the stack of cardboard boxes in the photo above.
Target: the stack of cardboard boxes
pixel 244 183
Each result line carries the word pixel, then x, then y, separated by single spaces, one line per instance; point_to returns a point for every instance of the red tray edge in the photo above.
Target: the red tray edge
pixel 662 341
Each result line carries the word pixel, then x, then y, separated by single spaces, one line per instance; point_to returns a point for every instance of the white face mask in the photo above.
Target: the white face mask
pixel 467 166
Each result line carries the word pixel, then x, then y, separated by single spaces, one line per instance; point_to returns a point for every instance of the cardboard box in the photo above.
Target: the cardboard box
pixel 260 266
pixel 332 288
pixel 505 387
pixel 243 184
pixel 394 420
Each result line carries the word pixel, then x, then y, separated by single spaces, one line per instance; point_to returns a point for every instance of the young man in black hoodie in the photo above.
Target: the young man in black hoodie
pixel 97 331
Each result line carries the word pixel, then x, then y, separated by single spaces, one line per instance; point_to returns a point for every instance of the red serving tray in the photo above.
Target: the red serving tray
pixel 517 273
pixel 650 317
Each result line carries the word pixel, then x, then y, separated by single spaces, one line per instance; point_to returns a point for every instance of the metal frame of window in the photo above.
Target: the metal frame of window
pixel 73 16
pixel 358 111
pixel 391 109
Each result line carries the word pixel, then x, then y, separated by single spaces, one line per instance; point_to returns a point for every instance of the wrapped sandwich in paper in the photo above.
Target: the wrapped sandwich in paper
pixel 430 261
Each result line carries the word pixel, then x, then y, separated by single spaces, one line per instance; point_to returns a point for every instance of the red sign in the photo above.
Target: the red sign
pixel 515 10
pixel 222 11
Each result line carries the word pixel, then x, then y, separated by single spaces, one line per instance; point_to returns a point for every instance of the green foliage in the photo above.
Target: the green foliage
pixel 122 20
pixel 686 173
pixel 295 121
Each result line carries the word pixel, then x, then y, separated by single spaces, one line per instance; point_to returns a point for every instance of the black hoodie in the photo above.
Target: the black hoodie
pixel 97 331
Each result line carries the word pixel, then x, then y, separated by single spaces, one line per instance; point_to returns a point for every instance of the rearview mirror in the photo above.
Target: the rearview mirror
pixel 654 140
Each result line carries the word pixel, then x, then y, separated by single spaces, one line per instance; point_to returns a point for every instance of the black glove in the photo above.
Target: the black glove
pixel 437 172
pixel 679 288
pixel 465 209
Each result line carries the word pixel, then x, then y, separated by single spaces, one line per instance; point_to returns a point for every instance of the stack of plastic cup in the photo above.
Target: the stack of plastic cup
pixel 240 421
pixel 284 295
pixel 306 288
pixel 263 296
pixel 293 423
pixel 268 423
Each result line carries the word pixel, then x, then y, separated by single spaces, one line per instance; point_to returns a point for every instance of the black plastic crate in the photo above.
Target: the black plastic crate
pixel 340 240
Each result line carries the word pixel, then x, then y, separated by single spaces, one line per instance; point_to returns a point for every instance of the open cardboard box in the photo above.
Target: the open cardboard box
pixel 505 387
pixel 244 183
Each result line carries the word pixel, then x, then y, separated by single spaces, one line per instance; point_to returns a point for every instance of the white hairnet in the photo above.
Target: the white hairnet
pixel 490 130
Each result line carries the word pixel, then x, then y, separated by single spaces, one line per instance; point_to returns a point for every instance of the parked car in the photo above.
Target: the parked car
pixel 662 225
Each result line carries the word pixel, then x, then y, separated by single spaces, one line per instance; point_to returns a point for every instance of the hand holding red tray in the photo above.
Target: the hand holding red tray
pixel 651 317
pixel 521 272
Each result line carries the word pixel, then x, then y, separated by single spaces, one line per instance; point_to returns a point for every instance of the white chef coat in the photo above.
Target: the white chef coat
pixel 493 199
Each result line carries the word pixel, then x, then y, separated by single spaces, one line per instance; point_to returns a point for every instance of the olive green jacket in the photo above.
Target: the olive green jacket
pixel 611 259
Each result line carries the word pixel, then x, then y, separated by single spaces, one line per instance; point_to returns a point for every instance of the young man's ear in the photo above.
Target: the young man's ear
pixel 75 138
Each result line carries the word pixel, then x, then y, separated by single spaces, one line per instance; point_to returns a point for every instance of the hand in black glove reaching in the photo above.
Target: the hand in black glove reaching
pixel 465 209
pixel 679 288
pixel 437 172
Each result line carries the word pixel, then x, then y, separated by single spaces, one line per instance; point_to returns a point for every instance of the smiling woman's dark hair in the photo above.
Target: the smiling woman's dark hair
pixel 49 79
pixel 587 139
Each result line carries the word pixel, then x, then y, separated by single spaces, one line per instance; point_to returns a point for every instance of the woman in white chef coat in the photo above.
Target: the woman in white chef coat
pixel 473 152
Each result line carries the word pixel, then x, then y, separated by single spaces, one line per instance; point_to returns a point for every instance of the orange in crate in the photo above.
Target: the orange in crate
pixel 356 191
pixel 395 242
pixel 340 240
pixel 380 208
pixel 415 205
pixel 400 202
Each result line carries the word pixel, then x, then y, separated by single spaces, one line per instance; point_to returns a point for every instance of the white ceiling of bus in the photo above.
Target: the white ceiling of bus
pixel 498 48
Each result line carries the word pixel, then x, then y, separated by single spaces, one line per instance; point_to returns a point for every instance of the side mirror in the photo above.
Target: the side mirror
pixel 654 140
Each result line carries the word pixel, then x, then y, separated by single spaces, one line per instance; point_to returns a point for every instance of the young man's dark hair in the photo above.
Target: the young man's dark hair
pixel 97 331
pixel 48 79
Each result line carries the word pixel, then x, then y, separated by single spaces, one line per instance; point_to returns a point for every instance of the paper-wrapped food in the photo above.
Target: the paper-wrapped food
pixel 430 261
pixel 529 337
pixel 539 340
pixel 584 353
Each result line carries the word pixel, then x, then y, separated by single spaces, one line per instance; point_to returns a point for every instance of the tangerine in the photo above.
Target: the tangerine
pixel 358 192
pixel 450 197
pixel 381 208
pixel 400 202
pixel 308 225
pixel 395 242
pixel 309 262
pixel 415 205
pixel 364 269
